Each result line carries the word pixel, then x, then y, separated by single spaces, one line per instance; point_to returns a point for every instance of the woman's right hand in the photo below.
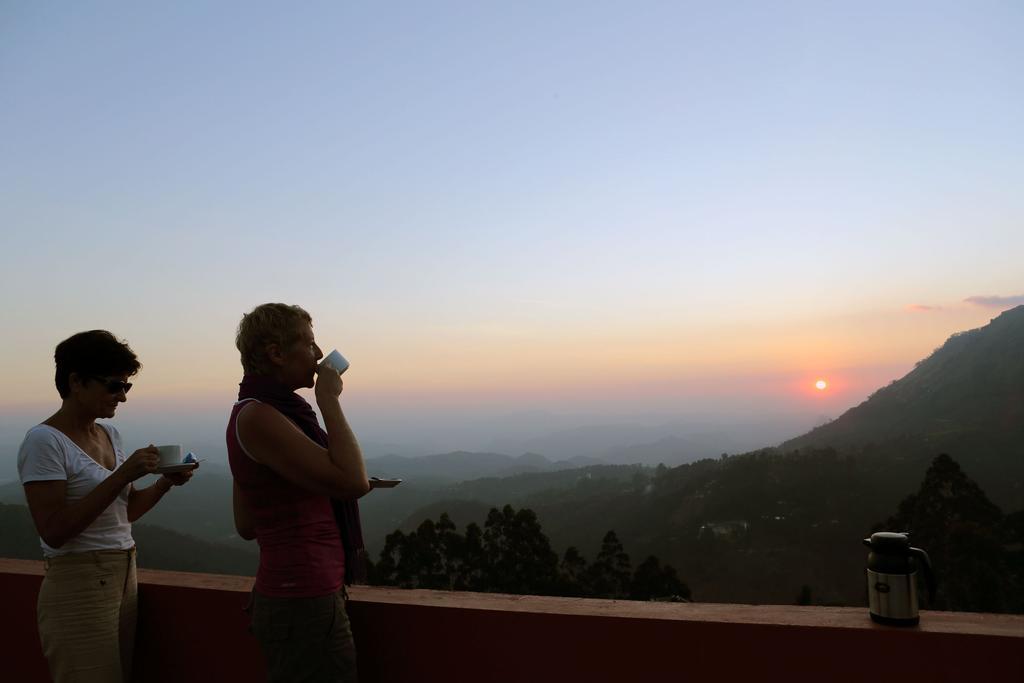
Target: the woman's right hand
pixel 142 462
pixel 328 383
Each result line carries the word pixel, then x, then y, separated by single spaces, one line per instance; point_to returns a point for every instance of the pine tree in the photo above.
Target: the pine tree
pixel 951 518
pixel 572 574
pixel 518 556
pixel 652 581
pixel 609 575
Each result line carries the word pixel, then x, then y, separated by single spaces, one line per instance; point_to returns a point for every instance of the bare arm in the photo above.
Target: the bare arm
pixel 343 448
pixel 141 501
pixel 243 519
pixel 274 440
pixel 58 521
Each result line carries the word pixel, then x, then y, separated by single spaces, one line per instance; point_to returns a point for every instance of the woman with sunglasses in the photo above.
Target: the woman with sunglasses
pixel 79 486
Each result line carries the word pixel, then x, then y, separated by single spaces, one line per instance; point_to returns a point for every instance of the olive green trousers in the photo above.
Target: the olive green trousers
pixel 305 639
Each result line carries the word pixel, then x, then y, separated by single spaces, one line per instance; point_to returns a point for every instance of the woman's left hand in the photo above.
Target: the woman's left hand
pixel 178 478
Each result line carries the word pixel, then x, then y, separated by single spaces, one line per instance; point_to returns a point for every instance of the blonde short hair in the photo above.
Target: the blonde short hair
pixel 264 325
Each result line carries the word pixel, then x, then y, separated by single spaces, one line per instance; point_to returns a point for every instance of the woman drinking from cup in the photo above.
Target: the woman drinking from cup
pixel 286 471
pixel 79 487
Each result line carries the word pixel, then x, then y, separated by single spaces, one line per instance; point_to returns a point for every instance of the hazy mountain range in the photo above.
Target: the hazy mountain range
pixel 970 387
pixel 647 438
pixel 803 506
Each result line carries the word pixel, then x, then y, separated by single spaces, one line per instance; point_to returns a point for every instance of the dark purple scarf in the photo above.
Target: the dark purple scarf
pixel 297 409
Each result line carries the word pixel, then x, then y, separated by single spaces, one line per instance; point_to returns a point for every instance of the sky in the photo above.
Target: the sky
pixel 591 209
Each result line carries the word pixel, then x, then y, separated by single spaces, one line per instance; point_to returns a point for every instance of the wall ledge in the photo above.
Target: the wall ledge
pixel 855 618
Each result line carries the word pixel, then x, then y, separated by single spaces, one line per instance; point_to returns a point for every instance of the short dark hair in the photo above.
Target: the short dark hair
pixel 95 353
pixel 264 325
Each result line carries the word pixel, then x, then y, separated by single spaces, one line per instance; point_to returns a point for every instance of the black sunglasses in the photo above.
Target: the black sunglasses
pixel 114 386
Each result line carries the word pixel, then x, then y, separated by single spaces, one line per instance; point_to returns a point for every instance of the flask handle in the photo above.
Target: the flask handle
pixel 929 575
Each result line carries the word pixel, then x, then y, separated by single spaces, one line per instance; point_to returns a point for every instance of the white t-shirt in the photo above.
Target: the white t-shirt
pixel 47 454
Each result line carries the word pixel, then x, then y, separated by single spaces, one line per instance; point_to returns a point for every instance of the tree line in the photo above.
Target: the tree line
pixel 977 551
pixel 511 554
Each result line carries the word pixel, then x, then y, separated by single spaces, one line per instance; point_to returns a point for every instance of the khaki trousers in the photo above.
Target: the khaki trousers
pixel 87 609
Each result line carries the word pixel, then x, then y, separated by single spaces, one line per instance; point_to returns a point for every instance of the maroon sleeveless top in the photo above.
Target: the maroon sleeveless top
pixel 301 554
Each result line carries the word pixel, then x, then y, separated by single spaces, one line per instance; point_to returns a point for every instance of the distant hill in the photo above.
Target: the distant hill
pixel 972 386
pixel 463 465
pixel 470 500
pixel 202 509
pixel 965 399
pixel 158 548
pixel 684 439
pixel 673 450
pixel 765 525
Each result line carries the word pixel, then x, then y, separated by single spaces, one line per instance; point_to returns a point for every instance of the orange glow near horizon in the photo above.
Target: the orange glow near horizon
pixel 567 365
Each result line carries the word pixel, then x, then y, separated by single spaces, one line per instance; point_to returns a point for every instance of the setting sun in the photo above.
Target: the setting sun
pixel 820 385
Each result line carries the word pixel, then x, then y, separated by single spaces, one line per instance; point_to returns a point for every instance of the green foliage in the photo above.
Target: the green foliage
pixel 653 581
pixel 751 528
pixel 517 555
pixel 572 574
pixel 434 556
pixel 965 535
pixel 513 555
pixel 609 575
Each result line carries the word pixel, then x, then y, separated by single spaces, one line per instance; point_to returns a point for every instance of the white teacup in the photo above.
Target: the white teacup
pixel 170 455
pixel 337 361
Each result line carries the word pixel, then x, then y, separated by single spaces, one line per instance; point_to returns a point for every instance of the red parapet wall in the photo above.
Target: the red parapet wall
pixel 192 628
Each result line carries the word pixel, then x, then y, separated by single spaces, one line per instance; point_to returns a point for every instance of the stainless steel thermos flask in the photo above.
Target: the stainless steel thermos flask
pixel 891 574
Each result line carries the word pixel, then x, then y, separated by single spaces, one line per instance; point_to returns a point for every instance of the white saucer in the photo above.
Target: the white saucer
pixel 180 467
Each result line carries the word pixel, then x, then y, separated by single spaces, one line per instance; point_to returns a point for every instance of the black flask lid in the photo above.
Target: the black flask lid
pixel 889 542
